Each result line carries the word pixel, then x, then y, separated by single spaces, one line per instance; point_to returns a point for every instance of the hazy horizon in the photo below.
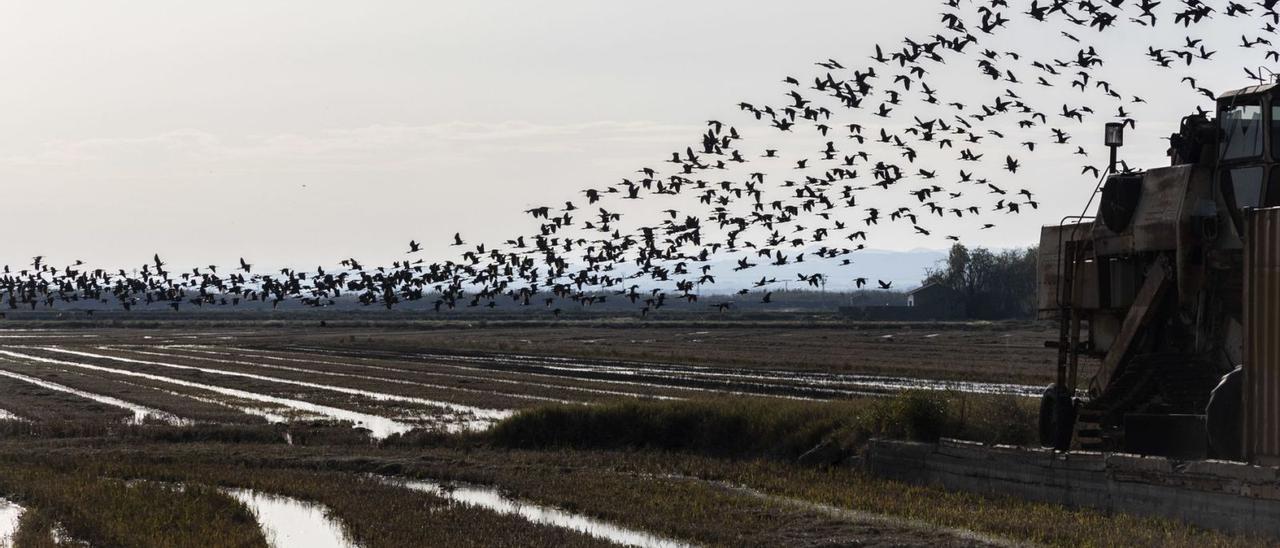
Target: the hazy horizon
pixel 297 134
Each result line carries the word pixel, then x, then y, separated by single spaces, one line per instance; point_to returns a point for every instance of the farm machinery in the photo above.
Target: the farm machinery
pixel 1170 296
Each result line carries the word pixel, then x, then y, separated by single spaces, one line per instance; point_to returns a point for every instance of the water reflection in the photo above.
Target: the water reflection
pixel 490 499
pixel 379 427
pixel 140 413
pixel 10 515
pixel 289 522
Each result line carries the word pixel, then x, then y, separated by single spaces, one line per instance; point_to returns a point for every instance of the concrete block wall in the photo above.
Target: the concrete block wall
pixel 1220 495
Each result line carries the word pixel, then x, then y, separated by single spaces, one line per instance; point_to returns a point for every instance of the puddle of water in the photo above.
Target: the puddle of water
pixel 140 413
pixel 477 412
pixel 10 515
pixel 288 522
pixel 490 499
pixel 379 427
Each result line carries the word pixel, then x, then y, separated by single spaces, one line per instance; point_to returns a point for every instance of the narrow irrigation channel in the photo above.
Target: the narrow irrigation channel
pixel 323 373
pixel 491 499
pixel 140 413
pixel 379 427
pixel 479 413
pixel 632 389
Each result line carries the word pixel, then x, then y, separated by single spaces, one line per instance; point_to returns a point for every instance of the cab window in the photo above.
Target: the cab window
pixel 1275 133
pixel 1244 187
pixel 1241 131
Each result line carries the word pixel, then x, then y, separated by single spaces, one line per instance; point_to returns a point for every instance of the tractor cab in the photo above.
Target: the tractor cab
pixel 1248 152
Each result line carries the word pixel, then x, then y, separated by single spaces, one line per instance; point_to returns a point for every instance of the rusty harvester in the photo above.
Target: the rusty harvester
pixel 1174 286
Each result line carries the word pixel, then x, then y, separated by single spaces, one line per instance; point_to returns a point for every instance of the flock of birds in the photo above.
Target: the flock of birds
pixel 889 135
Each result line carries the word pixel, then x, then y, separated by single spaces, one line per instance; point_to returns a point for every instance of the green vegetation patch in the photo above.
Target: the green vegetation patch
pixel 769 428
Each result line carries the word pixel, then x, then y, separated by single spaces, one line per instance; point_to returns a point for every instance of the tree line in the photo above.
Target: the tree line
pixel 990 285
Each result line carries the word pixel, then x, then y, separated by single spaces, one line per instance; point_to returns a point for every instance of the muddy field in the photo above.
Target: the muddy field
pixel 268 427
pixel 464 377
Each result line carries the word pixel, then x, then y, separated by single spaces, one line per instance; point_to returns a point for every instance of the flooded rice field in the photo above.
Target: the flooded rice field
pixel 140 413
pixel 292 436
pixel 391 387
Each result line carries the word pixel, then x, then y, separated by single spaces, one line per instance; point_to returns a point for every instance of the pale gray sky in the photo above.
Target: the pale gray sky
pixel 301 132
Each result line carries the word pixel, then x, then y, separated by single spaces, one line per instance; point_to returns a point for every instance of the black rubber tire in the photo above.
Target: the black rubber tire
pixel 1057 418
pixel 1224 417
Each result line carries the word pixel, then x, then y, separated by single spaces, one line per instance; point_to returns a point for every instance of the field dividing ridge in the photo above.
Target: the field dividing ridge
pixel 479 413
pixel 380 427
pixel 140 413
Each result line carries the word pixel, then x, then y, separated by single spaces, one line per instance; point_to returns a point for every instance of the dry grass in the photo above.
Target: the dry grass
pixel 399 517
pixel 638 489
pixel 1001 516
pixel 373 513
pixel 592 480
pixel 35 530
pixel 109 512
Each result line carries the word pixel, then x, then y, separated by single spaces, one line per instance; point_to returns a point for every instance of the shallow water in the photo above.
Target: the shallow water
pixel 270 415
pixel 480 373
pixel 490 499
pixel 10 515
pixel 140 413
pixel 379 427
pixel 477 412
pixel 319 372
pixel 289 522
pixel 826 384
